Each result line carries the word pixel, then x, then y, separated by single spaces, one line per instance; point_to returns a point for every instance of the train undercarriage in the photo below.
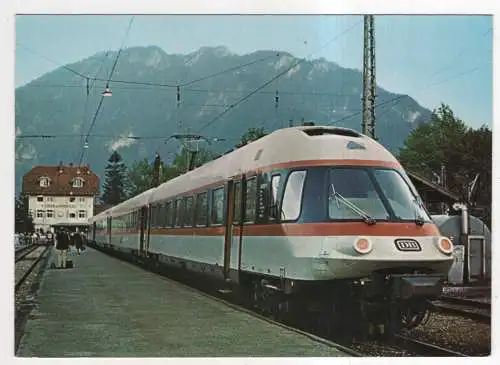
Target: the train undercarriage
pixel 383 304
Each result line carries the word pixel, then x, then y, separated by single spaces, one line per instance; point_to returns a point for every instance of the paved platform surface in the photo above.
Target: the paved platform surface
pixel 106 307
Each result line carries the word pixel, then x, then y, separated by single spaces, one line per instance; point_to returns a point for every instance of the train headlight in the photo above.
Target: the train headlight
pixel 363 245
pixel 445 245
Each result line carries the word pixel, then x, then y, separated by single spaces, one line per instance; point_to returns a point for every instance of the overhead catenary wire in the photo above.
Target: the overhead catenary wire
pixel 172 85
pixel 94 119
pixel 250 94
pixel 398 98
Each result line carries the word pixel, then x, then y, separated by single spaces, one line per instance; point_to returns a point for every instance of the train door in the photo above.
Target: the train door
pixel 237 231
pixel 148 228
pixel 108 228
pixel 142 229
pixel 228 239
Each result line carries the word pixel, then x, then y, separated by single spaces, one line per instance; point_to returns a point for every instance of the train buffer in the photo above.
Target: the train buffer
pixel 110 308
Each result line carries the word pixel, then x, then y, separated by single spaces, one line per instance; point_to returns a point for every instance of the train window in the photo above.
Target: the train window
pixel 399 195
pixel 250 199
pixel 237 202
pixel 157 212
pixel 179 213
pixel 188 212
pixel 353 186
pixel 274 203
pixel 153 216
pixel 292 199
pixel 218 206
pixel 160 215
pixel 168 214
pixel 174 212
pixel 201 209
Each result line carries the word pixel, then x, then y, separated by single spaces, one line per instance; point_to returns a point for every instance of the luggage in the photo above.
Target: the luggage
pixel 69 264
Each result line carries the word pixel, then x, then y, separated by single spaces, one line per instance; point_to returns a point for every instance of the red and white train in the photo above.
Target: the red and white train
pixel 306 219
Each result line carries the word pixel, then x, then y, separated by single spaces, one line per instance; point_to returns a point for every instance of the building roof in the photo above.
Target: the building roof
pixel 61 178
pixel 432 191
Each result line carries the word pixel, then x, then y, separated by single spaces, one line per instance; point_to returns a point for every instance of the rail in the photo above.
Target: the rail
pixel 31 267
pixel 424 348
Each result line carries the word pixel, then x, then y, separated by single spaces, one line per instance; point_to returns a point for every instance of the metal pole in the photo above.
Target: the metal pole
pixel 369 82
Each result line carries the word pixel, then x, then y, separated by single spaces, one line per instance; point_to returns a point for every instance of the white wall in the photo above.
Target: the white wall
pixel 61 208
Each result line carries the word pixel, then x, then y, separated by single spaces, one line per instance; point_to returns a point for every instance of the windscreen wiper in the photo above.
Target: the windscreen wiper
pixel 419 220
pixel 366 218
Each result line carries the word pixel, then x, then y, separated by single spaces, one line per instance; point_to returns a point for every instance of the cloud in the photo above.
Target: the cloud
pixel 122 142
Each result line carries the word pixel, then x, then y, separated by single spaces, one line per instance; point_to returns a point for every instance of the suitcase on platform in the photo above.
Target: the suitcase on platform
pixel 69 264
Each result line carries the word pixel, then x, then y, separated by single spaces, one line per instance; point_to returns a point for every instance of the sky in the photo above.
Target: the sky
pixel 432 58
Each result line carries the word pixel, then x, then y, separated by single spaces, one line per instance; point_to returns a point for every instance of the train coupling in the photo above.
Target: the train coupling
pixel 404 287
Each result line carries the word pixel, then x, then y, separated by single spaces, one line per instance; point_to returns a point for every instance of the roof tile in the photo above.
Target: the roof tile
pixel 61 178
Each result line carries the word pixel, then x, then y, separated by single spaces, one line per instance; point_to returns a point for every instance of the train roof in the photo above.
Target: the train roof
pixel 132 204
pixel 100 216
pixel 304 143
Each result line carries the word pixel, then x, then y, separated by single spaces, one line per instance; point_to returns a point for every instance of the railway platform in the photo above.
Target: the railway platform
pixel 104 307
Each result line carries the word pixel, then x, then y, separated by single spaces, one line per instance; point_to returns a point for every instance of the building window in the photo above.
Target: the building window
pixel 50 214
pixel 44 182
pixel 72 199
pixel 39 198
pixel 81 199
pixel 82 214
pixel 78 182
pixel 72 215
pixel 40 213
pixel 49 198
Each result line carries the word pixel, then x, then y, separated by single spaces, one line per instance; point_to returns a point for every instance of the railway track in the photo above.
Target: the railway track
pixel 399 346
pixel 24 251
pixel 423 348
pixel 469 308
pixel 24 267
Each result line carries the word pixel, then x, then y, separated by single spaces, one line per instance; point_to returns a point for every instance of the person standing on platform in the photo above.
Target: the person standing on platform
pixel 62 244
pixel 78 242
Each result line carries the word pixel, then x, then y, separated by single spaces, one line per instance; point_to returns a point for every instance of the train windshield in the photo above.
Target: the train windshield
pixel 381 193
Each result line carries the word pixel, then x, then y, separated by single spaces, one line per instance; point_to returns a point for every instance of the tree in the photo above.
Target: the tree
pixel 464 152
pixel 115 190
pixel 23 220
pixel 191 158
pixel 141 173
pixel 439 143
pixel 252 134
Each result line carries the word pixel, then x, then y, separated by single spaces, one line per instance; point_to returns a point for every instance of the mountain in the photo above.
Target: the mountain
pixel 315 90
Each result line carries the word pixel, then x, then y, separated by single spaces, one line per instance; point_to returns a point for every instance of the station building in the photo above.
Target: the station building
pixel 60 196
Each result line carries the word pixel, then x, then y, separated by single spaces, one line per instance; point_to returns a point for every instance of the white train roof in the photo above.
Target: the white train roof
pixel 102 215
pixel 305 143
pixel 132 204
